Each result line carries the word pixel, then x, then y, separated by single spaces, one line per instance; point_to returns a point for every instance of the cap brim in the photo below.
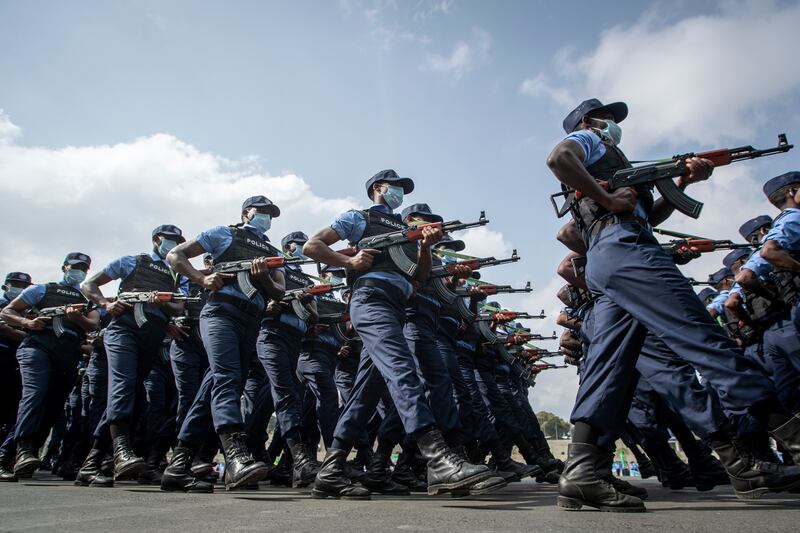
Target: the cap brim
pixel 454 245
pixel 619 110
pixel 77 262
pixel 174 236
pixel 431 216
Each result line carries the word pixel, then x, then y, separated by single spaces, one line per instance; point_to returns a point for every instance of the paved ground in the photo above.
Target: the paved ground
pixel 52 505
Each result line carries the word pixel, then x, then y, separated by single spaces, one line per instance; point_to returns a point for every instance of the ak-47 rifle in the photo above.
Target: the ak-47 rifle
pixel 517 367
pixel 484 322
pixel 661 174
pixel 293 297
pixel 474 263
pixel 242 270
pixel 140 299
pixel 695 283
pixel 392 242
pixel 535 354
pixel 539 367
pixel 57 314
pixel 682 246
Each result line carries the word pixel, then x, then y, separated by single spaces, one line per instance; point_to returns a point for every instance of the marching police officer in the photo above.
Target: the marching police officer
pixel 131 347
pixel 49 355
pixel 229 324
pixel 638 288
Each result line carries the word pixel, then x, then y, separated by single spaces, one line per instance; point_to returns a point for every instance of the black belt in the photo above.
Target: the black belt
pixel 609 220
pixel 240 304
pixel 393 292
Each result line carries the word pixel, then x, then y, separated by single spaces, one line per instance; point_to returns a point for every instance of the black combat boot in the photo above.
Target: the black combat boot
pixel 333 482
pixel 750 477
pixel 503 461
pixel 603 469
pixel 789 437
pixel 708 472
pixel 178 477
pixel 90 474
pixel 540 457
pixel 283 473
pixel 27 459
pixel 404 473
pixel 152 474
pixel 127 465
pixel 202 465
pixel 579 484
pixel 304 465
pixel 6 471
pixel 446 470
pixel 240 467
pixel 377 477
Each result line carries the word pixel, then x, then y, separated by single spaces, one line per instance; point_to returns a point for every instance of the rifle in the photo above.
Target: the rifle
pixel 292 297
pixel 140 299
pixel 538 367
pixel 58 314
pixel 242 270
pixel 474 263
pixel 661 174
pixel 682 246
pixel 516 366
pixel 536 354
pixel 392 242
pixel 693 282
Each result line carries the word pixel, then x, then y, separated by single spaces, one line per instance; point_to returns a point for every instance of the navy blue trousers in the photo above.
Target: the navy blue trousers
pixel 278 347
pixel 638 288
pixel 48 366
pixel 316 368
pixel 189 363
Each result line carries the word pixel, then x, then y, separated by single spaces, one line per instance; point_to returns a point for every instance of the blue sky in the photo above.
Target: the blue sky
pixel 465 97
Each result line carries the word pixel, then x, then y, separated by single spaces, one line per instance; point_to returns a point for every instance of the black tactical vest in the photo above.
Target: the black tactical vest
pixel 245 246
pixel 57 295
pixel 379 223
pixel 586 210
pixel 148 275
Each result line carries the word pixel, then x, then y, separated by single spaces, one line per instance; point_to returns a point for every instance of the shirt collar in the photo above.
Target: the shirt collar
pixel 155 257
pixel 254 231
pixel 384 209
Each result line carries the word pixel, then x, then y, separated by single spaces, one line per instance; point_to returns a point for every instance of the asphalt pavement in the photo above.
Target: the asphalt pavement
pixel 49 504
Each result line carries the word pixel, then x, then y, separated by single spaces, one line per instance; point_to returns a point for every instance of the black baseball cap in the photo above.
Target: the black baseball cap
pixel 22 277
pixel 389 176
pixel 619 110
pixel 262 201
pixel 74 258
pixel 296 236
pixel 168 230
pixel 420 209
pixel 754 224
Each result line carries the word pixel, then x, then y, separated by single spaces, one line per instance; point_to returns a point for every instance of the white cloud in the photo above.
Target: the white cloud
pixel 483 242
pixel 539 86
pixel 466 56
pixel 9 131
pixel 703 80
pixel 104 200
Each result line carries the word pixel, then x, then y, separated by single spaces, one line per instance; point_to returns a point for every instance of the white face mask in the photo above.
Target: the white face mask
pixel 608 130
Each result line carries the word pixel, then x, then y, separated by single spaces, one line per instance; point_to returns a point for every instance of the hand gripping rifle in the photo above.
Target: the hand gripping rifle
pixel 516 365
pixel 242 270
pixel 292 297
pixel 58 315
pixel 661 174
pixel 140 299
pixel 392 242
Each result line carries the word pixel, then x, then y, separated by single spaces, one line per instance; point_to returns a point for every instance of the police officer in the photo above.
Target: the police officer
pixel 131 349
pixel 755 229
pixel 10 337
pixel 380 292
pixel 48 361
pixel 229 324
pixel 638 288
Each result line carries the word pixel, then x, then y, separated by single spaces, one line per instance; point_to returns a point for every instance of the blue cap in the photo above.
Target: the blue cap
pixel 619 110
pixel 22 277
pixel 168 230
pixel 706 293
pixel 735 255
pixel 389 176
pixel 779 182
pixel 75 258
pixel 296 236
pixel 450 243
pixel 754 224
pixel 719 275
pixel 420 209
pixel 262 201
